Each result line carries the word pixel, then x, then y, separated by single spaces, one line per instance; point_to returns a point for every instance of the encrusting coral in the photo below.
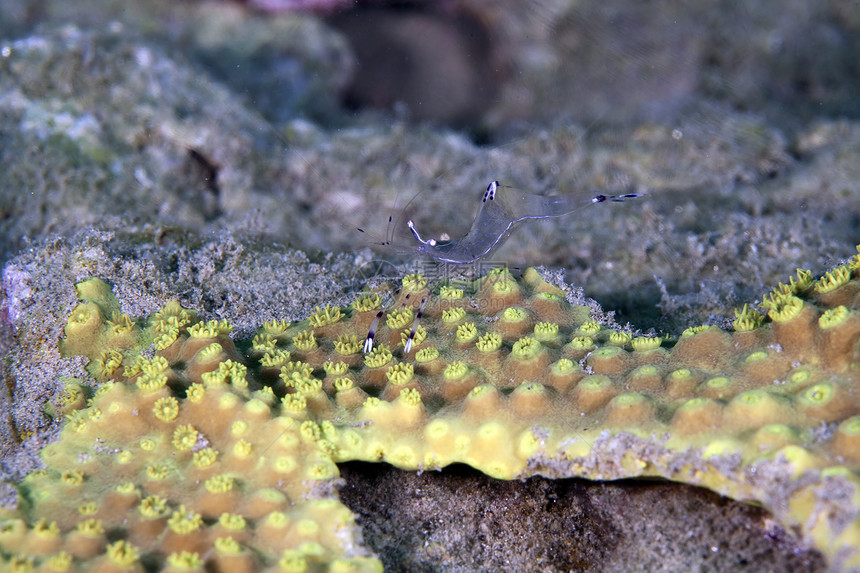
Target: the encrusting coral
pixel 197 453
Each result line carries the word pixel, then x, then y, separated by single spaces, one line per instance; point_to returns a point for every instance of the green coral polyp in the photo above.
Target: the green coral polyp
pixel 644 343
pixel 545 330
pixel 413 282
pixel 378 357
pixel 399 374
pixel 514 314
pixel 335 368
pixel 400 318
pixel 426 355
pixel 785 309
pixel 347 344
pixel 619 338
pixel 453 315
pixel 367 302
pixel 833 317
pixel 450 293
pixel 417 340
pixel 455 371
pixel 526 348
pixel 833 280
pixel 324 315
pixel 489 342
pixel 166 409
pixel 582 343
pixel 747 319
pixel 466 332
pixel 563 366
pixel 305 340
pixel 183 521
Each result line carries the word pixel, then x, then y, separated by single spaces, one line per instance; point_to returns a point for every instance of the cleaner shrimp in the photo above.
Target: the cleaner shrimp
pixel 499 214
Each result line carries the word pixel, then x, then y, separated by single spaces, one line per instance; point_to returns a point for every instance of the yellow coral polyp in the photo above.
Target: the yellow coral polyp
pixel 563 366
pixel 275 358
pixel 184 437
pixel 455 371
pixel 410 396
pixel 525 348
pixel 833 317
pixel 489 342
pixel 450 293
pixel 400 318
pixel 204 458
pixel 589 328
pixel 413 282
pixel 305 340
pixel 210 329
pixel 645 343
pixel 243 449
pixel 166 409
pixel 89 508
pixel 72 477
pixel 833 280
pixel 294 403
pixel 747 319
pixel 292 561
pixel 213 351
pixel 219 484
pixel 453 315
pixel 195 393
pixel 297 367
pixel 343 384
pixel 545 330
pixel 324 315
pixel 91 527
pixel 149 383
pixel 335 368
pixel 514 314
pixel 619 338
pixel 367 302
pixel 122 553
pixel 276 327
pixel 420 336
pixel 263 342
pixel 582 342
pixel 45 528
pixel 504 286
pixel 426 355
pixel 785 309
pixel 62 561
pixel 157 472
pixel 347 344
pixel 227 546
pixel 693 330
pixel 183 521
pixel 232 521
pixel 108 362
pixel 184 560
pixel 400 373
pixel 378 357
pixel 466 332
pixel 153 507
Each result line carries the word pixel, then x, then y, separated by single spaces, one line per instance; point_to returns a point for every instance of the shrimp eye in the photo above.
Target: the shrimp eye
pixel 432 242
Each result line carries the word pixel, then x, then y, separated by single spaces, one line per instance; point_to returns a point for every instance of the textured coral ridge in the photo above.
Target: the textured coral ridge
pixel 201 453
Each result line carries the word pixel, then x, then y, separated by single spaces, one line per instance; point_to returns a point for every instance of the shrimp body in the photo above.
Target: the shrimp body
pixel 500 213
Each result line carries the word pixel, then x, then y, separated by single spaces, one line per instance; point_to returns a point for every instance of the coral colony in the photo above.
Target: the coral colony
pixel 197 453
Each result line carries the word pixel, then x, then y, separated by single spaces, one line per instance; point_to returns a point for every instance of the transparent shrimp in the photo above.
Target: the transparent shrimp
pixel 499 214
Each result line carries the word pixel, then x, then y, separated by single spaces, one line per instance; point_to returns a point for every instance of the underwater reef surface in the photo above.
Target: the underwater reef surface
pixel 129 155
